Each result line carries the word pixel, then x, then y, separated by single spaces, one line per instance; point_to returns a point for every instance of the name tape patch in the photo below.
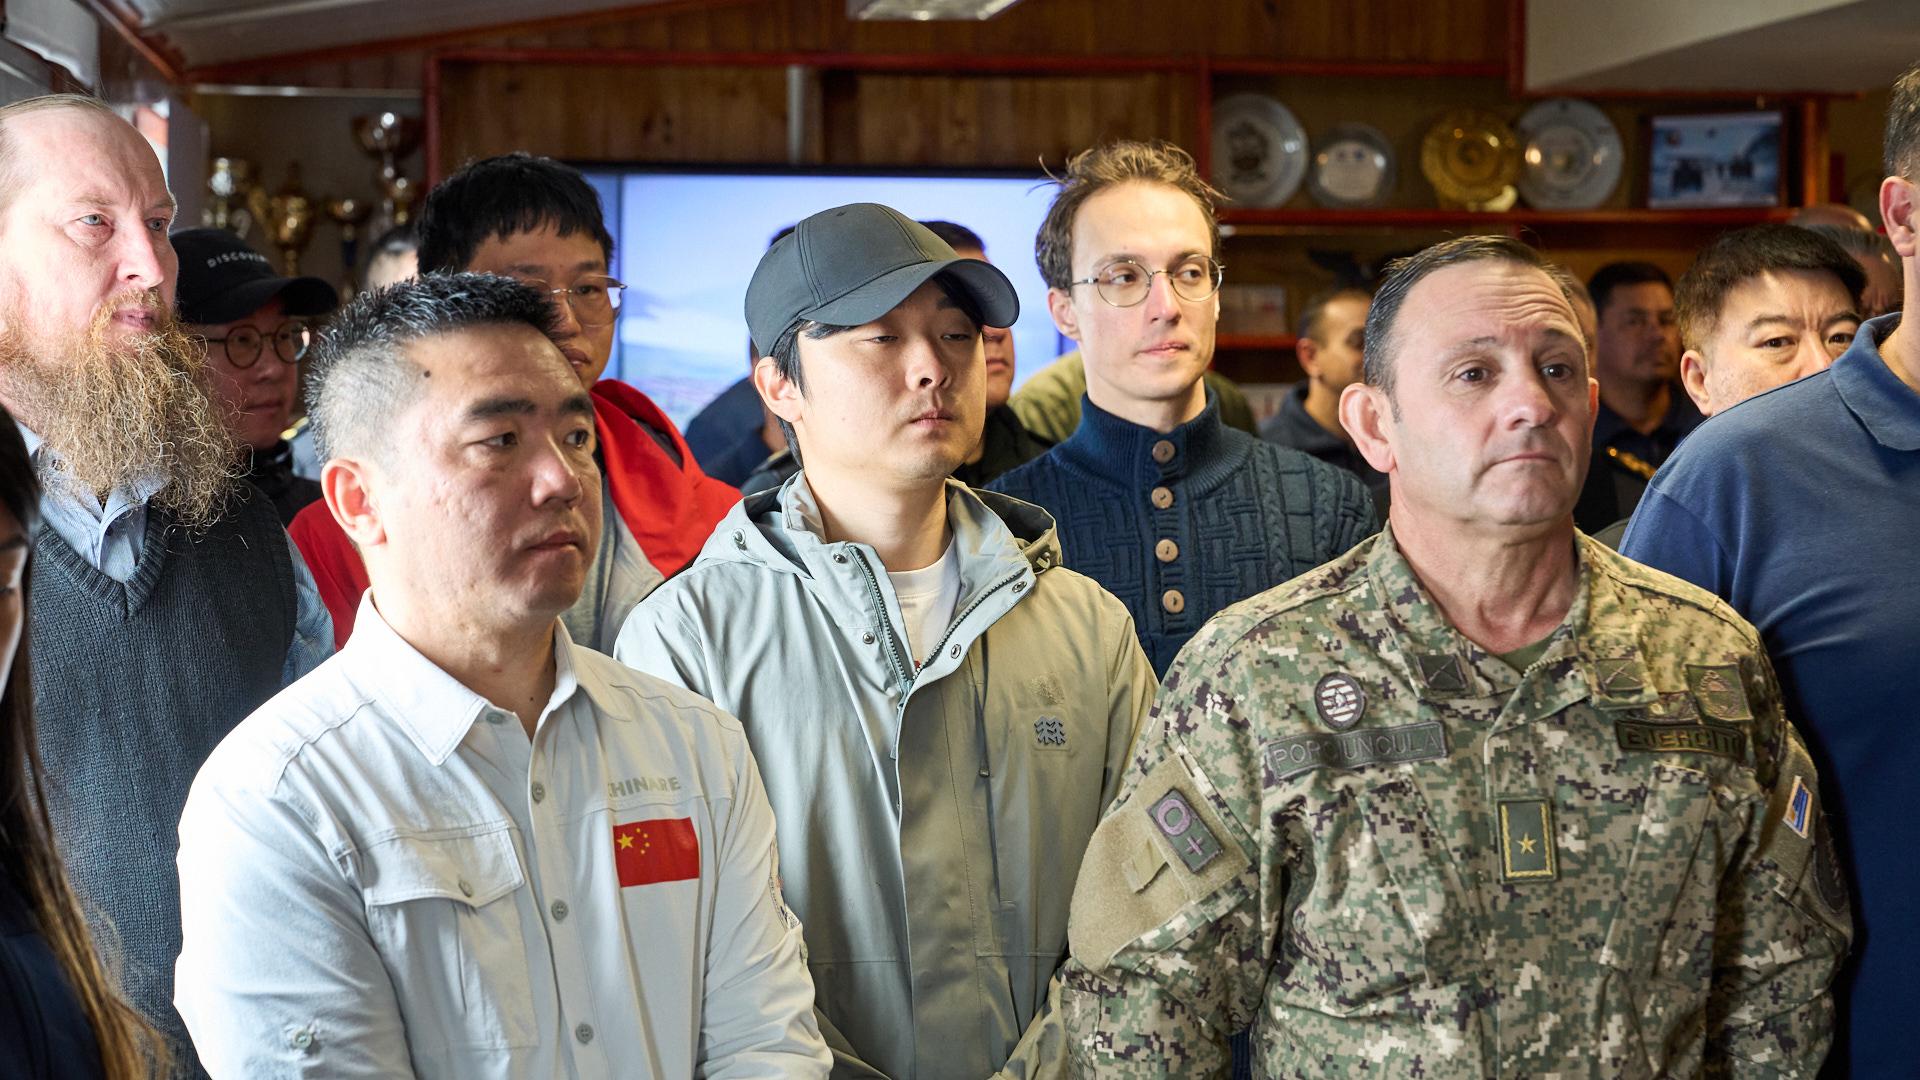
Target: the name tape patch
pixel 1191 839
pixel 1649 738
pixel 1296 754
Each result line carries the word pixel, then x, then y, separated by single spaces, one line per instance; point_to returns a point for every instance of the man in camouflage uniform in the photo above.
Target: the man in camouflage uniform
pixel 1479 798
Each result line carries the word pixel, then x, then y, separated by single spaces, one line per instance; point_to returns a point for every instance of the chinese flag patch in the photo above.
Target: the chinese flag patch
pixel 664 849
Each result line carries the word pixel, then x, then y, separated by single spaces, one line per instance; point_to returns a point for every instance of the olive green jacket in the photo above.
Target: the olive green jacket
pixel 930 821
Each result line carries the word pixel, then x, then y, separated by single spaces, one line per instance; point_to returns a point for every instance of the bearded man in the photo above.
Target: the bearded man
pixel 168 600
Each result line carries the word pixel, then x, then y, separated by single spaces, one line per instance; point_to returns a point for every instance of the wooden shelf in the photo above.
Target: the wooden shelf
pixel 1318 217
pixel 1249 342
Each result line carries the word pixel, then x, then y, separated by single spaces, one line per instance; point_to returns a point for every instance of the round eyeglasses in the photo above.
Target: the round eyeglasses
pixel 1126 283
pixel 593 300
pixel 244 344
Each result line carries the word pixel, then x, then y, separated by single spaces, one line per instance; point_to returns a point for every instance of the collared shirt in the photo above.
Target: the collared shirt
pixel 1800 507
pixel 383 876
pixel 108 535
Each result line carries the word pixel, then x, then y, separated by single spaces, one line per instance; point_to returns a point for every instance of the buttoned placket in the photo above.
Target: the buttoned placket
pixel 553 879
pixel 1167 520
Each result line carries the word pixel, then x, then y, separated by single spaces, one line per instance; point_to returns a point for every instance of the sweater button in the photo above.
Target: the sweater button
pixel 1173 601
pixel 1162 497
pixel 1166 551
pixel 1163 451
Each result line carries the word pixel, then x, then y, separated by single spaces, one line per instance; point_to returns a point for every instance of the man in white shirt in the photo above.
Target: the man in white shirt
pixel 466 847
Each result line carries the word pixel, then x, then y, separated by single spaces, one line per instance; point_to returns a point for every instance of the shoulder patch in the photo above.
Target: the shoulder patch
pixel 1719 691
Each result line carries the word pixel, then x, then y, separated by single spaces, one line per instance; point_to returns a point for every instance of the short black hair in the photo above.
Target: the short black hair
pixel 1743 254
pixel 786 347
pixel 1403 274
pixel 1902 139
pixel 1614 275
pixel 501 196
pixel 360 378
pixel 956 236
pixel 1316 308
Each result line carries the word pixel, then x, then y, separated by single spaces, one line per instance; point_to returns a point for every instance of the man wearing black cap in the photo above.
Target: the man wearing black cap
pixel 254 324
pixel 939 708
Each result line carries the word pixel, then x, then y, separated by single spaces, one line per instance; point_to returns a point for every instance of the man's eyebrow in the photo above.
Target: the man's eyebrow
pixel 1758 321
pixel 536 269
pixel 1848 315
pixel 17 540
pixel 577 405
pixel 489 408
pixel 1470 345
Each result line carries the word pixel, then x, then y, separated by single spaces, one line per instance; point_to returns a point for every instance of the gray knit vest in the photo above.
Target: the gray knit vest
pixel 134 685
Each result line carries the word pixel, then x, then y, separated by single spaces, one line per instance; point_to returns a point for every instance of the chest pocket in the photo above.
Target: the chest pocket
pixel 444 912
pixel 1388 911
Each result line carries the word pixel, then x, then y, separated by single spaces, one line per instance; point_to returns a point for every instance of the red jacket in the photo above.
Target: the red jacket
pixel 670 509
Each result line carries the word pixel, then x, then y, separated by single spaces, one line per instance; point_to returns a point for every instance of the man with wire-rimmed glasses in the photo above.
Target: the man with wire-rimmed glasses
pixel 539 222
pixel 1174 512
pixel 256 327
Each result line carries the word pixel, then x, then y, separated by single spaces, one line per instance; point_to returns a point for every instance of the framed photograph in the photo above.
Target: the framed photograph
pixel 1716 159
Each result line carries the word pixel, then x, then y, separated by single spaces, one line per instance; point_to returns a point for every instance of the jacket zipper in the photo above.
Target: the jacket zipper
pixel 962 617
pixel 886 625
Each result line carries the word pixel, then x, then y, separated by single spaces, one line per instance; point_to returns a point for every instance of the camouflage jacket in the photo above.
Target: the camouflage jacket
pixel 1394 855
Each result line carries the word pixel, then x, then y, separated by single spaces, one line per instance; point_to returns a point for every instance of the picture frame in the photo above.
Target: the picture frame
pixel 1698 160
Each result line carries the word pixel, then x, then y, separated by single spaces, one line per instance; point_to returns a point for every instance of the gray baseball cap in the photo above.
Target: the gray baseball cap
pixel 852 264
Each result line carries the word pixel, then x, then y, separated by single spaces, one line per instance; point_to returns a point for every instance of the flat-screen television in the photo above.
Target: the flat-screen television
pixel 686 242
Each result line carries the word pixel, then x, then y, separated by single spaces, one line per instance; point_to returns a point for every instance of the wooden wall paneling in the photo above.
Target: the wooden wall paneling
pixel 587 112
pixel 1002 121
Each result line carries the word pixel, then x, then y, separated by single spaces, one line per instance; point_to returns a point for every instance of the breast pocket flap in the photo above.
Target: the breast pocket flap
pixel 468 868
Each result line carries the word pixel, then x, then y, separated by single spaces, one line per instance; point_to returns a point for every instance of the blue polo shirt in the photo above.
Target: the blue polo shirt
pixel 1801 508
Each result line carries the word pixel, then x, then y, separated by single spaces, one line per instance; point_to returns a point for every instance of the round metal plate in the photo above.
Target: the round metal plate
pixel 1259 150
pixel 1471 157
pixel 1354 166
pixel 1572 158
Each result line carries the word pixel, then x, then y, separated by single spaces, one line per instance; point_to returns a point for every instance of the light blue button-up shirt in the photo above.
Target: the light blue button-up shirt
pixel 109 535
pixel 382 876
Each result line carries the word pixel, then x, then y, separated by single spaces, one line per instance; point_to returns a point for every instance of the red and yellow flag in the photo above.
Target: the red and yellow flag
pixel 664 849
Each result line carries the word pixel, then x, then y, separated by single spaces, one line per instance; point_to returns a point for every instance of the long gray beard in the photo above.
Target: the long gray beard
pixel 113 415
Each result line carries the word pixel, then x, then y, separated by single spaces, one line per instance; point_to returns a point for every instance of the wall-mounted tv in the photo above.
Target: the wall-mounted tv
pixel 687 242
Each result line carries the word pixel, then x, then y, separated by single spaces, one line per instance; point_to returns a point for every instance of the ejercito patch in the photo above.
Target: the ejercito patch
pixel 1646 738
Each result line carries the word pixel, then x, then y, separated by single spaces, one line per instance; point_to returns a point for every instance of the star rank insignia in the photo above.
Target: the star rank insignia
pixel 1526 841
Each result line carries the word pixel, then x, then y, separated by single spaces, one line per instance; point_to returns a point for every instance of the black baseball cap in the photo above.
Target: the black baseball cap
pixel 852 264
pixel 222 279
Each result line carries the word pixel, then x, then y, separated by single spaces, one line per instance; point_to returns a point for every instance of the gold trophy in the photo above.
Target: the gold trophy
pixel 289 220
pixel 230 181
pixel 349 213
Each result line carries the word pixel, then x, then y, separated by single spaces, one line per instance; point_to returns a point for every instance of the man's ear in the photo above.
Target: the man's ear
pixel 1693 376
pixel 781 397
pixel 1065 320
pixel 346 484
pixel 1897 214
pixel 1365 414
pixel 1307 351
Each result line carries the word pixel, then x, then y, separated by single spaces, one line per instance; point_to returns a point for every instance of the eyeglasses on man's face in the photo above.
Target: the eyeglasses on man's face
pixel 243 345
pixel 1125 283
pixel 593 300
